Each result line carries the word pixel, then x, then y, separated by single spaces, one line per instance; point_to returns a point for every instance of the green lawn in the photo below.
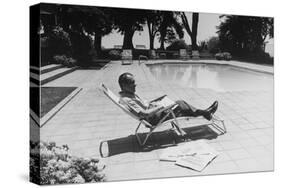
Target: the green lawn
pixel 51 96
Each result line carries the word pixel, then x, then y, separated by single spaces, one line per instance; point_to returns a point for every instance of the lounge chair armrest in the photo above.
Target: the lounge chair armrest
pixel 158 99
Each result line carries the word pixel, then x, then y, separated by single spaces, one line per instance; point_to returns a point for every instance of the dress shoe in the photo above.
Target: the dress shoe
pixel 214 108
pixel 207 115
pixel 210 107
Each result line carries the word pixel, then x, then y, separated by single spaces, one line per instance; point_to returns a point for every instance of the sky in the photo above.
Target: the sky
pixel 206 28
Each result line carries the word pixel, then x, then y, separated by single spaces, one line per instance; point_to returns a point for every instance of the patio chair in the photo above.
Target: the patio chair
pixel 127 57
pixel 153 54
pixel 174 121
pixel 183 54
pixel 195 54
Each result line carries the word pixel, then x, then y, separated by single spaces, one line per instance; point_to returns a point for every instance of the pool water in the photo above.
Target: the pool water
pixel 217 77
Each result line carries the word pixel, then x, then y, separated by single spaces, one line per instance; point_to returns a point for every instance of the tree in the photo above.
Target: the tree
pixel 168 21
pixel 192 33
pixel 213 45
pixel 86 20
pixel 153 20
pixel 127 21
pixel 99 24
pixel 177 45
pixel 244 34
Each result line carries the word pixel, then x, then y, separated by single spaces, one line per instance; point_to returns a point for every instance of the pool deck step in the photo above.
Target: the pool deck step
pixel 45 69
pixel 50 75
pixel 50 68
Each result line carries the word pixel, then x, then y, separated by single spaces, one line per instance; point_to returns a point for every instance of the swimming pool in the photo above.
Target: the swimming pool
pixel 217 77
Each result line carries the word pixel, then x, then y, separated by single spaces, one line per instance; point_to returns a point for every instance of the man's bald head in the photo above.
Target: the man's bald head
pixel 126 79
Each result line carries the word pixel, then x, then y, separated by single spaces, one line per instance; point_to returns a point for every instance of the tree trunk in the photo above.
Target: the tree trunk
pixel 97 43
pixel 128 37
pixel 151 36
pixel 192 32
pixel 162 45
pixel 195 19
pixel 151 42
pixel 162 38
pixel 194 42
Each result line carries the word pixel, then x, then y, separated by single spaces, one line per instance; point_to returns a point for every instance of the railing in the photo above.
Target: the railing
pixel 142 57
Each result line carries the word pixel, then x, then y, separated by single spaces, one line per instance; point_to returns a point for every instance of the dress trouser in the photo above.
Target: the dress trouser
pixel 183 109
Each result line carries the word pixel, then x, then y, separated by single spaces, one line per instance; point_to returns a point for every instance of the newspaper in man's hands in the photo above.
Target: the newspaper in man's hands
pixel 166 101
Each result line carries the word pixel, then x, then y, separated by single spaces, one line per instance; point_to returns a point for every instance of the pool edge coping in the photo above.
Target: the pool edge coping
pixel 239 64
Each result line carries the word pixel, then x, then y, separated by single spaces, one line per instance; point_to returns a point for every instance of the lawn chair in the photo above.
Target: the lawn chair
pixel 195 54
pixel 184 54
pixel 174 121
pixel 127 57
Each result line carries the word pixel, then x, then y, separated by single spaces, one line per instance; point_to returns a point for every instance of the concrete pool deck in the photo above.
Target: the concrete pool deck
pixel 90 118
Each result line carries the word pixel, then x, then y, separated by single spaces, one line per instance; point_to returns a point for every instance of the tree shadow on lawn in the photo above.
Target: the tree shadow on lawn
pixel 157 140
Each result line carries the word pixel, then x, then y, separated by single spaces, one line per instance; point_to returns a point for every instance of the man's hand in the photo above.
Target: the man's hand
pixel 153 105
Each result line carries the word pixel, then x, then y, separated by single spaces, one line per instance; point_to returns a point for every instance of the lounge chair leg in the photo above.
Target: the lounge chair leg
pixel 222 129
pixel 142 143
pixel 137 134
pixel 175 129
pixel 176 124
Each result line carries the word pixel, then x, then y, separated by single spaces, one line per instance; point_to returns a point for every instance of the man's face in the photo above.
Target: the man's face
pixel 130 86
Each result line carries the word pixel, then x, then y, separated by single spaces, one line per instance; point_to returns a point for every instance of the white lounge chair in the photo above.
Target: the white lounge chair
pixel 174 121
pixel 127 57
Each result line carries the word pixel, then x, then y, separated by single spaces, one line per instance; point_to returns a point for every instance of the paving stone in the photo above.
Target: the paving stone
pixel 248 165
pixel 258 151
pixel 237 154
pixel 230 145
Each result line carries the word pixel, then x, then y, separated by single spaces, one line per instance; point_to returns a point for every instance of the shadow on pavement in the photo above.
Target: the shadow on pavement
pixel 157 140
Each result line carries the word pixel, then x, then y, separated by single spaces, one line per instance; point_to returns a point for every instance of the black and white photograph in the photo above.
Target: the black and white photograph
pixel 121 94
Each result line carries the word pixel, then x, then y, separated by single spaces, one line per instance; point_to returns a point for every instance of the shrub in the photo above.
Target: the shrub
pixel 51 164
pixel 177 45
pixel 59 41
pixel 213 45
pixel 227 56
pixel 202 46
pixel 114 54
pixel 219 56
pixel 223 56
pixel 64 60
pixel 259 57
pixel 83 48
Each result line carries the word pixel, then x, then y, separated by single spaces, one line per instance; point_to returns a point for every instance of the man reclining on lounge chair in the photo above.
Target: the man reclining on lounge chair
pixel 152 112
